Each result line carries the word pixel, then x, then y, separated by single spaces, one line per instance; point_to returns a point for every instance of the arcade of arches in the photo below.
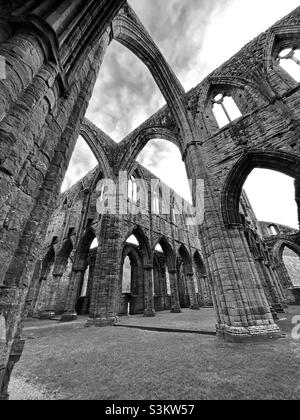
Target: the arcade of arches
pixel 59 257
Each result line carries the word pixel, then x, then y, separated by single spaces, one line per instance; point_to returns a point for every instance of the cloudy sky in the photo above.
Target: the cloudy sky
pixel 195 36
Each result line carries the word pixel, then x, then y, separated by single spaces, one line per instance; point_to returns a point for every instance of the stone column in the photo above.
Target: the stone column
pixel 148 292
pixel 175 303
pixel 49 311
pixel 204 281
pixel 192 291
pixel 104 305
pixel 243 312
pixel 277 288
pixel 72 297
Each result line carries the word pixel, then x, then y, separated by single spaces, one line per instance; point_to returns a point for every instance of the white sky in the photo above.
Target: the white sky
pixel 211 32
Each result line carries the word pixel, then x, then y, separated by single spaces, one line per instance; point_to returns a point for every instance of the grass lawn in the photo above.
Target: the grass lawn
pixel 73 362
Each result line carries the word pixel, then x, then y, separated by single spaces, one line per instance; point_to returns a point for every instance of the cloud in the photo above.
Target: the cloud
pixel 81 163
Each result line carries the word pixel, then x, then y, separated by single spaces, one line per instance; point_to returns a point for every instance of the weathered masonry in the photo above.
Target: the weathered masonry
pixel 245 115
pixel 158 265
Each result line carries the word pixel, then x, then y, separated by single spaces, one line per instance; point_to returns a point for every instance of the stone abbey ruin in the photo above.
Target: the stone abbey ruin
pixel 53 51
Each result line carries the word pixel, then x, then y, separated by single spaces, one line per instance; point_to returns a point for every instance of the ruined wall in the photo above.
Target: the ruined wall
pixel 76 214
pixel 53 60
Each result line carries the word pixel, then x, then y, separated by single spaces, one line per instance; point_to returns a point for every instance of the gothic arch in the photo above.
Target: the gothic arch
pixel 141 139
pixel 168 252
pixel 129 31
pixel 186 258
pixel 215 82
pixel 83 249
pixel 144 244
pixel 286 163
pixel 279 37
pixel 99 145
pixel 279 246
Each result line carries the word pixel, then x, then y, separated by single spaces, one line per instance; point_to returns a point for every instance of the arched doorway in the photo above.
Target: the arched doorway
pixel 204 292
pixel 131 291
pixel 136 275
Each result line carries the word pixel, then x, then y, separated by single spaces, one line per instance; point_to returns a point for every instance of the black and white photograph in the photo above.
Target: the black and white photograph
pixel 149 203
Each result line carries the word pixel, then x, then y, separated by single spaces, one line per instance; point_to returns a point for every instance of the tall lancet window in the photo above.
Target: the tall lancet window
pixel 126 278
pixel 289 60
pixel 225 110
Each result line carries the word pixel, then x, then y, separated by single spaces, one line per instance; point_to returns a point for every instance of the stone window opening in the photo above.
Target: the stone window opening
pixel 289 60
pixel 225 109
pixel 156 206
pixel 132 189
pixel 126 276
pixel 274 230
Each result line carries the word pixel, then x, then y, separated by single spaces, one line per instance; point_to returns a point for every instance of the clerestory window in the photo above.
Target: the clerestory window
pixel 289 60
pixel 132 189
pixel 225 110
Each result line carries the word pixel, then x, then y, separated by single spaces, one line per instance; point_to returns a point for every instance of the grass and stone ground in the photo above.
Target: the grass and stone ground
pixel 69 361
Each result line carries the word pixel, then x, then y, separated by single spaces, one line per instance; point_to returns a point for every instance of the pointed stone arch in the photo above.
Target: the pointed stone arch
pixel 100 144
pixel 168 252
pixel 144 244
pixel 286 163
pixel 129 31
pixel 186 258
pixel 279 246
pixel 279 37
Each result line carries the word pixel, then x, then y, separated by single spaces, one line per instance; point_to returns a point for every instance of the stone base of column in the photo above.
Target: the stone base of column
pixel 250 334
pixel 102 322
pixel 68 317
pixel 176 311
pixel 195 307
pixel 46 315
pixel 4 396
pixel 149 313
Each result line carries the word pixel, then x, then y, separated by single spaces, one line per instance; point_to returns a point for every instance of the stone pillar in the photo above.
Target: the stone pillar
pixel 49 311
pixel 243 312
pixel 175 303
pixel 280 287
pixel 277 288
pixel 192 291
pixel 148 292
pixel 104 306
pixel 72 296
